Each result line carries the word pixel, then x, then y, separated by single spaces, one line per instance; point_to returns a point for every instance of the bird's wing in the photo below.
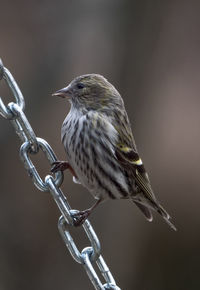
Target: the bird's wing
pixel 124 150
pixel 130 159
pixel 127 154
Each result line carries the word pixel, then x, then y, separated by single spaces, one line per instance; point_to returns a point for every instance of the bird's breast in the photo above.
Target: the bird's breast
pixel 91 153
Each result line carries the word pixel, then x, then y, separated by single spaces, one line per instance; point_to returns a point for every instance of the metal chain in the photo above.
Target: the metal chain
pixel 14 112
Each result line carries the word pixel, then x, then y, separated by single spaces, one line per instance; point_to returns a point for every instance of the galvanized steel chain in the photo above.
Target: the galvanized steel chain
pixel 14 112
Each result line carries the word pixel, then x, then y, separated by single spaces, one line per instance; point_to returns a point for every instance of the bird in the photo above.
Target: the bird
pixel 100 148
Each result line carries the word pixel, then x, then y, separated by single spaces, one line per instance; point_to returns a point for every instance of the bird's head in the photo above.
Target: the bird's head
pixel 90 92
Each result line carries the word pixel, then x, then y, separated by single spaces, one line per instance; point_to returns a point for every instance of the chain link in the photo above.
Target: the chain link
pixel 14 112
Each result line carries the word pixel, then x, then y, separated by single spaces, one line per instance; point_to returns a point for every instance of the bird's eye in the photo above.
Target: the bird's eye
pixel 80 85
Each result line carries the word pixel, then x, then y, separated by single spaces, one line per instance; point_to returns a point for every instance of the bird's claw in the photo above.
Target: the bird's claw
pixel 80 217
pixel 59 166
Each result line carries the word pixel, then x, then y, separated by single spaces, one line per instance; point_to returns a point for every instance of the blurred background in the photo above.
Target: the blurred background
pixel 150 51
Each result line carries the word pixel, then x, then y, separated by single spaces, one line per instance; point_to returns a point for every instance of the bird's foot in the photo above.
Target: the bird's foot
pixel 59 166
pixel 80 217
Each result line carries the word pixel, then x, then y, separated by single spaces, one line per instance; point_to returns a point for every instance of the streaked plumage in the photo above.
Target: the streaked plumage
pixel 100 147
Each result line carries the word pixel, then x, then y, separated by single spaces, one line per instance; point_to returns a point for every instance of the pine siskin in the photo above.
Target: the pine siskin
pixel 100 147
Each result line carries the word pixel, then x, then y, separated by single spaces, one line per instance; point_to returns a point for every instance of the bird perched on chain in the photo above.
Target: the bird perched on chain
pixel 100 147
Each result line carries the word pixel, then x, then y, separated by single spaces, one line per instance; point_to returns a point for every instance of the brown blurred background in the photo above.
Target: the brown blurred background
pixel 150 50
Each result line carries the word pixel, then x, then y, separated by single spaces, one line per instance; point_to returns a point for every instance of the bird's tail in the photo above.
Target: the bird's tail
pixel 147 198
pixel 146 210
pixel 165 216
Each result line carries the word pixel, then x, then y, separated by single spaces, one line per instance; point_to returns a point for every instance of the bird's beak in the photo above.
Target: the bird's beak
pixel 63 93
